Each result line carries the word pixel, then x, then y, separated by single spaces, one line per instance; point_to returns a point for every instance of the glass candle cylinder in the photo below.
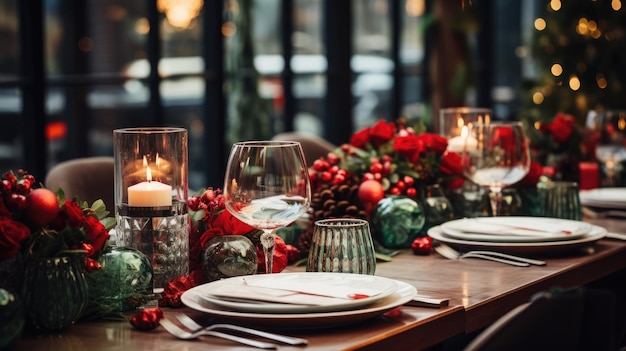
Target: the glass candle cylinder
pixel 150 197
pixel 454 120
pixel 343 246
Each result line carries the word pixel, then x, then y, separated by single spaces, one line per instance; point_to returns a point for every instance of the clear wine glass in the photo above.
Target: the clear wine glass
pixel 611 149
pixel 495 156
pixel 267 186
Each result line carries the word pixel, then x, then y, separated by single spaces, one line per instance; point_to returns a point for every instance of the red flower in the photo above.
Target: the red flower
pixel 434 142
pixel 73 213
pixel 381 133
pixel 532 177
pixel 360 138
pixel 12 234
pixel 97 234
pixel 562 127
pixel 451 164
pixel 410 146
pixel 175 288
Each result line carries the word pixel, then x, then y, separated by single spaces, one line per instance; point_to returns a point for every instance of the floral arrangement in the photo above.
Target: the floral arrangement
pixel 394 155
pixel 558 145
pixel 38 223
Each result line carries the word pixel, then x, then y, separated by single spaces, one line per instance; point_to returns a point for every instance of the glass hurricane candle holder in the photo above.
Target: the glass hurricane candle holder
pixel 150 197
pixel 453 124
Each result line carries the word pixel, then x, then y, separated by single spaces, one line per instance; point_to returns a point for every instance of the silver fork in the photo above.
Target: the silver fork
pixel 183 334
pixel 449 252
pixel 194 326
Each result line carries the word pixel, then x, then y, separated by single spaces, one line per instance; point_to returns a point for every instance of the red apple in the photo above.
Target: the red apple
pixel 42 207
pixel 371 191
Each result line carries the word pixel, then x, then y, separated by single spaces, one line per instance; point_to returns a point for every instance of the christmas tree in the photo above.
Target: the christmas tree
pixel 579 48
pixel 579 56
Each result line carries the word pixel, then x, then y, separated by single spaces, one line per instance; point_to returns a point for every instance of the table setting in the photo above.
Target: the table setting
pixel 394 195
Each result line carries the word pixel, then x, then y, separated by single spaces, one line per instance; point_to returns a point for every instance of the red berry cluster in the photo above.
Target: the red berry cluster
pixel 382 168
pixel 328 170
pixel 14 189
pixel 211 201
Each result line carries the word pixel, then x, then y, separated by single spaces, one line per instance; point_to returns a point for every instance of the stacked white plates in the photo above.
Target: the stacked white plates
pixel 527 235
pixel 609 198
pixel 299 300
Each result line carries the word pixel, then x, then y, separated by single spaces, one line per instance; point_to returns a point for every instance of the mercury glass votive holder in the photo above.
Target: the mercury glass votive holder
pixel 151 188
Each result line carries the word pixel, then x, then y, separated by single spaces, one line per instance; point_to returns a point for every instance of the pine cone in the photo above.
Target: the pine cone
pixel 337 201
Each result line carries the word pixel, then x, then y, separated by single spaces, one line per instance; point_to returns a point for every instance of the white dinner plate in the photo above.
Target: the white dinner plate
pixel 317 320
pixel 514 229
pixel 303 292
pixel 535 248
pixel 604 198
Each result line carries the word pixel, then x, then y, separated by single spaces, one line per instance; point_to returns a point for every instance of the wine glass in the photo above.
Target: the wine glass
pixel 267 187
pixel 495 156
pixel 611 148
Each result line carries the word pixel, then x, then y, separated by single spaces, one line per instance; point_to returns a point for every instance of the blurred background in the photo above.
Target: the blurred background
pixel 72 71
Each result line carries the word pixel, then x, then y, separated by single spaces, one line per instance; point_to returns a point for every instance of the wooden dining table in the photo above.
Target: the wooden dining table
pixel 479 293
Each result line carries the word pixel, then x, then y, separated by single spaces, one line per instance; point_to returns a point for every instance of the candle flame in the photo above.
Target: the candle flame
pixel 145 161
pixel 148 174
pixel 460 122
pixel 464 132
pixel 158 161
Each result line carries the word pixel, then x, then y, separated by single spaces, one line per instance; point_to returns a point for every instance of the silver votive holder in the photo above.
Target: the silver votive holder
pixel 150 198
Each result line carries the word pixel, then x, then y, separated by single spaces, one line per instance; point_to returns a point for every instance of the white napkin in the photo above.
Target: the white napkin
pixel 539 229
pixel 292 291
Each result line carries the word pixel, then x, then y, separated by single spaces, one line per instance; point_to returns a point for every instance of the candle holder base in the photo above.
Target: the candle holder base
pixel 160 233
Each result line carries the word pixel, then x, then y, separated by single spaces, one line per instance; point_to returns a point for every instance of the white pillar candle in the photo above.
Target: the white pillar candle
pixel 149 193
pixel 462 142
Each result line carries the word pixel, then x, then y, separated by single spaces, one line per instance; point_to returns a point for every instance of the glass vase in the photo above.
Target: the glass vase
pixel 54 292
pixel 123 283
pixel 397 221
pixel 437 207
pixel 229 256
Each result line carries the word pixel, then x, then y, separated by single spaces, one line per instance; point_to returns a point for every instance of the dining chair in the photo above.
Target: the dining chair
pixel 574 319
pixel 88 178
pixel 313 147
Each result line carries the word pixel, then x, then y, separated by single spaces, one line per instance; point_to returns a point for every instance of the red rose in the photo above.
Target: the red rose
pixel 381 132
pixel 73 213
pixel 360 138
pixel 455 183
pixel 229 224
pixel 410 146
pixel 533 175
pixel 505 138
pixel 434 142
pixel 12 234
pixel 562 127
pixel 97 234
pixel 451 163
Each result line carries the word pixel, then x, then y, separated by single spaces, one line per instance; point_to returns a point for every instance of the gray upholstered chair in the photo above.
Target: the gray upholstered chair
pixel 89 179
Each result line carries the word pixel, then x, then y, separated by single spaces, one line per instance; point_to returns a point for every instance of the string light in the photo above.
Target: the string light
pixel 556 69
pixel 574 82
pixel 540 24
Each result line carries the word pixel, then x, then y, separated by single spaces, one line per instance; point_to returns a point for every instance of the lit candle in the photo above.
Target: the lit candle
pixel 463 141
pixel 149 193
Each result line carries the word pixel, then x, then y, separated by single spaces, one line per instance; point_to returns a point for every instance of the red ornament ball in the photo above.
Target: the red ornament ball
pixel 42 207
pixel 422 246
pixel 370 192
